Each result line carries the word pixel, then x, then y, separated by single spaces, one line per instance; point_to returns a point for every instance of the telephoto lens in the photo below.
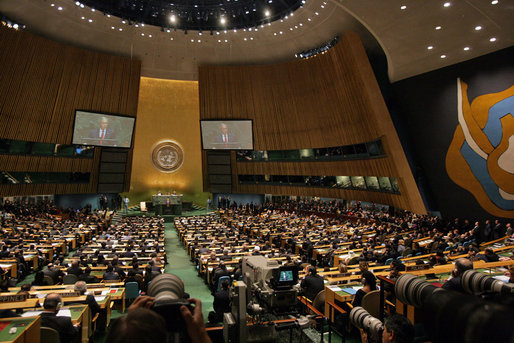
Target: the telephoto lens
pixel 413 290
pixel 363 320
pixel 168 291
pixel 475 282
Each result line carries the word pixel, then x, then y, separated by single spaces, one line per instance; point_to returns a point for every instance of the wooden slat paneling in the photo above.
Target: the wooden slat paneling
pixel 42 83
pixel 329 100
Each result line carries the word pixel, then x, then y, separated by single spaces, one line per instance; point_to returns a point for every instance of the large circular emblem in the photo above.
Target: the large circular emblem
pixel 167 156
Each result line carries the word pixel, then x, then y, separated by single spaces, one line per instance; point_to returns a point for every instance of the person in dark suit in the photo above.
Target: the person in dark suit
pixel 67 331
pixel 74 269
pixel 81 288
pixel 225 138
pixel 488 230
pixel 102 135
pixel 454 284
pixel 110 274
pixel 54 272
pixel 87 277
pixel 221 302
pixel 312 283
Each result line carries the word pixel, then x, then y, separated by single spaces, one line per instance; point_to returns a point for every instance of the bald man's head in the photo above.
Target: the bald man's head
pixel 52 302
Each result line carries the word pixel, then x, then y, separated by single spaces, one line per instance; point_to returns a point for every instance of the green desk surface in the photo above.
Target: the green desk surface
pixel 20 323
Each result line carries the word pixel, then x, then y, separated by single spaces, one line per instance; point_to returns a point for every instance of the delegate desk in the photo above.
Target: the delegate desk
pixel 80 314
pixel 27 330
pixel 167 204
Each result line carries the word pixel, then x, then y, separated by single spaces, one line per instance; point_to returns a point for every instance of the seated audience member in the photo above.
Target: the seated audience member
pixel 87 277
pixel 491 256
pixel 221 302
pixel 397 329
pixel 369 283
pixel 312 283
pixel 81 288
pixel 454 283
pixel 39 279
pixel 131 277
pixel 75 268
pixel 142 325
pixel 54 272
pixel 219 272
pixel 110 274
pixel 117 268
pixel 63 325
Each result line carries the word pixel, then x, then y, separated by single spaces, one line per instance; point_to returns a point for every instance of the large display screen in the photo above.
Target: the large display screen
pixel 101 129
pixel 227 134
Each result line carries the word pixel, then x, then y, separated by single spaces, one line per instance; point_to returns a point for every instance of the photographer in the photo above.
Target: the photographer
pixel 397 329
pixel 143 325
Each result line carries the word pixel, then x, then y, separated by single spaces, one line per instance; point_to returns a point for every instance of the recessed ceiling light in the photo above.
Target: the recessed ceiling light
pixel 267 13
pixel 494 2
pixel 52 5
pixel 492 39
pixel 90 20
pixel 443 56
pixel 173 18
pixel 478 28
pixel 430 47
pixel 466 48
pixel 223 20
pixel 438 27
pixel 59 8
pixel 403 7
pixel 447 4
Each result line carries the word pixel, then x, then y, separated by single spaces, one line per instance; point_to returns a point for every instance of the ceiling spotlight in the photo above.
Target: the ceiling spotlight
pixel 438 27
pixel 223 21
pixel 77 3
pixel 447 4
pixel 492 39
pixel 478 28
pixel 403 7
pixel 173 18
pixel 443 56
pixel 267 13
pixel 494 2
pixel 466 48
pixel 59 8
pixel 430 47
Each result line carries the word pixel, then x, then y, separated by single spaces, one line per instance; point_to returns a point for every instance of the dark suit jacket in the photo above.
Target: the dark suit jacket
pixel 454 284
pixel 111 276
pixel 63 325
pixel 312 285
pixel 75 271
pixel 222 301
pixel 109 134
pixel 88 278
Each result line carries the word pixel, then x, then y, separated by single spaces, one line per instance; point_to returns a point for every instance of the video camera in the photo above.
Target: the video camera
pixel 273 287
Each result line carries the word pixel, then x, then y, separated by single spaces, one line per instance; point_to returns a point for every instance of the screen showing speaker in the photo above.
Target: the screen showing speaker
pixel 100 129
pixel 227 134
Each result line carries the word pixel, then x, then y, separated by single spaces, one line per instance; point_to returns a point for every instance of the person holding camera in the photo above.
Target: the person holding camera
pixel 142 325
pixel 397 329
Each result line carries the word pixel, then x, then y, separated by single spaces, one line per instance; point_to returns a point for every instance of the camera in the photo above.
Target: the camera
pixel 363 320
pixel 475 282
pixel 413 290
pixel 168 291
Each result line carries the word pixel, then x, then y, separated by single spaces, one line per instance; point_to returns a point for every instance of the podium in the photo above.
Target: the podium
pixel 167 204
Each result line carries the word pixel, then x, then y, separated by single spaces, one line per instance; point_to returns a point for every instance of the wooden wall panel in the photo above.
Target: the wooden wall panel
pixel 329 100
pixel 42 83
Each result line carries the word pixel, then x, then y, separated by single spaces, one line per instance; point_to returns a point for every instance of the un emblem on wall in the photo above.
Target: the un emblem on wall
pixel 167 156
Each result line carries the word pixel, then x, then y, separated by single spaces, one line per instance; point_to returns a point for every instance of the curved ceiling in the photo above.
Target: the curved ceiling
pixel 404 30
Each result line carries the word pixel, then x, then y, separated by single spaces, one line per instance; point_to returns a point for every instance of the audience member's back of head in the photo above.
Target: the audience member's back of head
pixel 138 326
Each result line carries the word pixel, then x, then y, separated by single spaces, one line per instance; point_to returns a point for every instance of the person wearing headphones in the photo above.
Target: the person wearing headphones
pixel 67 331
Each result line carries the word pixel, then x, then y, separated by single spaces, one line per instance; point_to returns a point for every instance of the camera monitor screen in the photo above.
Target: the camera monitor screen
pixel 227 134
pixel 286 275
pixel 92 128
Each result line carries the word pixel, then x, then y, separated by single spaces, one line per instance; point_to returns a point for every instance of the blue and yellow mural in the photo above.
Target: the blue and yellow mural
pixel 480 158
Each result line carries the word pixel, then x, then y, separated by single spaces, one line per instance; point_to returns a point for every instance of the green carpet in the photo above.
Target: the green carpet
pixel 180 264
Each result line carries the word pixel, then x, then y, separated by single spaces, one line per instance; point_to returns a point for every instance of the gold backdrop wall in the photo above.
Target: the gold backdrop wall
pixel 167 110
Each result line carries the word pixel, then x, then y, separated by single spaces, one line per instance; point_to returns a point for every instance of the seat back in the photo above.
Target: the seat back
pixel 220 280
pixel 371 303
pixel 48 280
pixel 70 279
pixel 319 301
pixel 131 290
pixel 49 335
